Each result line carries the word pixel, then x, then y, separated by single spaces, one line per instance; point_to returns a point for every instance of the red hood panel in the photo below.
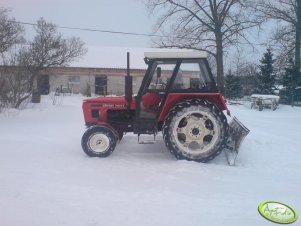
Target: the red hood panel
pixel 112 100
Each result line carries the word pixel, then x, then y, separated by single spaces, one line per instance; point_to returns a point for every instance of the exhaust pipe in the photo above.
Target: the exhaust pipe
pixel 237 133
pixel 128 84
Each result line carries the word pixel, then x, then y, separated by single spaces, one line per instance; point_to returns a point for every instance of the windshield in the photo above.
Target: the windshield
pixel 192 75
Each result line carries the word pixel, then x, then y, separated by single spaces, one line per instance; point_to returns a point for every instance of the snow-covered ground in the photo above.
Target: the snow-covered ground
pixel 47 180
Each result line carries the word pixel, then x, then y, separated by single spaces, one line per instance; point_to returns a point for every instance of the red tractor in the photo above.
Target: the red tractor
pixel 178 97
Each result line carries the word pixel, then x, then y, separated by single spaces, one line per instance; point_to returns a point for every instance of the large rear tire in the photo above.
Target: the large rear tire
pixel 99 141
pixel 195 130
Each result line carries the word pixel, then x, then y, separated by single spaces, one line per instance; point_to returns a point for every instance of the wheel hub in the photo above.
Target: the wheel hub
pixel 194 129
pixel 99 142
pixel 193 133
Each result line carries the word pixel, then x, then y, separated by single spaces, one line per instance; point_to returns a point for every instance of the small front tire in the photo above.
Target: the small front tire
pixel 99 141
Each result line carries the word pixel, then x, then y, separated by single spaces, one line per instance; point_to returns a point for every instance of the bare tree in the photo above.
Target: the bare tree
pixel 15 80
pixel 10 34
pixel 283 44
pixel 48 49
pixel 211 25
pixel 288 13
pixel 246 71
pixel 10 31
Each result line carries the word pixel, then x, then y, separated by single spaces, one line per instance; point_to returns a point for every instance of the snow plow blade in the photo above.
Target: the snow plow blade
pixel 237 132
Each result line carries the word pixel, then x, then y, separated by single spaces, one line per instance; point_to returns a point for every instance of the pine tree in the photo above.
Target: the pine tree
pixel 233 87
pixel 290 80
pixel 266 78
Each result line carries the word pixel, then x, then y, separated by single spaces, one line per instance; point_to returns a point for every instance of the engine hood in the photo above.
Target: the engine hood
pixel 107 100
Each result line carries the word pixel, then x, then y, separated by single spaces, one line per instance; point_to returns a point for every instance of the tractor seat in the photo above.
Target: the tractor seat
pixel 149 105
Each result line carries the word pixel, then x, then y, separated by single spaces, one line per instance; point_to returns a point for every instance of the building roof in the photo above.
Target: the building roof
pixel 111 57
pixel 115 57
pixel 176 54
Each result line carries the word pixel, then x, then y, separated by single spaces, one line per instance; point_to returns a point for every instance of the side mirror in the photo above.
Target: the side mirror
pixel 158 72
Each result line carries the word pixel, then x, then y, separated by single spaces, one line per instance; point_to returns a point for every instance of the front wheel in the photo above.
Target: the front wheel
pixel 99 141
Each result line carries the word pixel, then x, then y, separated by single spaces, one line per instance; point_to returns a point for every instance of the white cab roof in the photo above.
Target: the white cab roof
pixel 176 54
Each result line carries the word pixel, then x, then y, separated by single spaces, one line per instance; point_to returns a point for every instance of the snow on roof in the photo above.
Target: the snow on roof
pixel 264 96
pixel 176 54
pixel 115 57
pixel 111 57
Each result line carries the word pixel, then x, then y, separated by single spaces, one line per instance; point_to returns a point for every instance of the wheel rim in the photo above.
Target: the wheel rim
pixel 196 132
pixel 99 143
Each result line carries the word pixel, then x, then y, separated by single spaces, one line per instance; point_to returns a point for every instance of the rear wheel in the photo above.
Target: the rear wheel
pixel 195 130
pixel 99 141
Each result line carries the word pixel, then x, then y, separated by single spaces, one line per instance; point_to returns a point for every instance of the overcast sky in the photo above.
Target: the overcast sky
pixel 116 15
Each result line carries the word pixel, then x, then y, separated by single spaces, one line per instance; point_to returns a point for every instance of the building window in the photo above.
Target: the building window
pixel 101 83
pixel 134 81
pixel 43 84
pixel 194 83
pixel 74 79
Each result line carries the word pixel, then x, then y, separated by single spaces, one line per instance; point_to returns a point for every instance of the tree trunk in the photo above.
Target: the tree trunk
pixel 297 51
pixel 20 101
pixel 219 63
pixel 298 37
pixel 29 91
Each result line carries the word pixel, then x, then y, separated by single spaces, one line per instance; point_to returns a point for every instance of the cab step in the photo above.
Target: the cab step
pixel 146 138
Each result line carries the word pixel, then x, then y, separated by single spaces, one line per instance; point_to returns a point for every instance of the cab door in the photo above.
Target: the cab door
pixel 152 94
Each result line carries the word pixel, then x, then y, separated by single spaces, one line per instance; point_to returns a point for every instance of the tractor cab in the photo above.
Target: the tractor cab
pixel 178 97
pixel 181 75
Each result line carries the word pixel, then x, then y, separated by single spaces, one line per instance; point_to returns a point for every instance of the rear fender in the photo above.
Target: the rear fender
pixel 175 98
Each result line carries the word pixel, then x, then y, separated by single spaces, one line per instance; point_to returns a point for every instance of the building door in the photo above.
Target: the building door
pixel 43 84
pixel 101 83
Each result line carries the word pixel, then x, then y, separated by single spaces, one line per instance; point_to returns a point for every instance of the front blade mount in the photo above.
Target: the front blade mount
pixel 237 132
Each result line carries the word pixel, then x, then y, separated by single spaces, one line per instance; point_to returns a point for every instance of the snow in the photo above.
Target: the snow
pixel 266 99
pixel 265 96
pixel 112 57
pixel 115 57
pixel 46 179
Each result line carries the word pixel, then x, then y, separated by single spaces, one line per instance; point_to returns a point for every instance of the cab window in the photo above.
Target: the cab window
pixel 192 75
pixel 161 75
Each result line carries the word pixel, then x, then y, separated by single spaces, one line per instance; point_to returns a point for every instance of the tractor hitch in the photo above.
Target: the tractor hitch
pixel 237 132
